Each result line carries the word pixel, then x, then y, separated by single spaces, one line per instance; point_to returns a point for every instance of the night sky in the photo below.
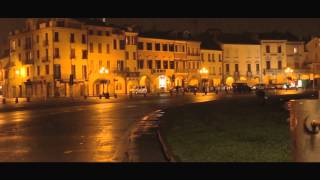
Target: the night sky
pixel 298 26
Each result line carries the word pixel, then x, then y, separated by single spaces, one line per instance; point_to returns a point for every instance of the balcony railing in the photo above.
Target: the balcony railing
pixel 158 71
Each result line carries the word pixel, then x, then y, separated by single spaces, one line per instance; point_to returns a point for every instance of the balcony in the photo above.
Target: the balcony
pixel 158 71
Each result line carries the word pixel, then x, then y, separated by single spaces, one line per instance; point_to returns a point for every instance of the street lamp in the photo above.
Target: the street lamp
pixel 102 71
pixel 204 71
pixel 288 70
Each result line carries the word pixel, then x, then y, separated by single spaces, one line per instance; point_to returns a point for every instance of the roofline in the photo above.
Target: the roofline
pixel 168 39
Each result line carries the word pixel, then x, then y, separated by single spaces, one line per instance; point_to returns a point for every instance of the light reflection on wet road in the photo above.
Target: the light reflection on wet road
pixel 90 133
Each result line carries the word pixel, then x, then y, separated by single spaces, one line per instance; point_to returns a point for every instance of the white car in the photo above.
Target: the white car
pixel 140 90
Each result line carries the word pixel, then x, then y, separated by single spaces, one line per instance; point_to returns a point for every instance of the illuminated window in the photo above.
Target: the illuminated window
pixel 38 54
pixel 13 45
pixel 19 56
pixel 213 58
pixel 295 50
pixel 202 57
pixel 209 57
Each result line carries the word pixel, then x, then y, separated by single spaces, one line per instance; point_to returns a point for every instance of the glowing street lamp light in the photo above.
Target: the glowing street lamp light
pixel 288 70
pixel 203 71
pixel 104 71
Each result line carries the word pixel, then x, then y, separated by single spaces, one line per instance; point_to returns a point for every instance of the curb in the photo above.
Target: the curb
pixel 168 155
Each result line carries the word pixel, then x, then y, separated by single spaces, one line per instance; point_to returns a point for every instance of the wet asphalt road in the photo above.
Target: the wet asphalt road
pixel 85 133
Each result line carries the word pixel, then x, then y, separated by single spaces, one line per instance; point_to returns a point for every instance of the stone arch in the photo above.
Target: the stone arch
pixel 146 82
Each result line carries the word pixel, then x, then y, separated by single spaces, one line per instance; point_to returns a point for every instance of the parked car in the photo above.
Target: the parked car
pixel 240 87
pixel 259 87
pixel 139 90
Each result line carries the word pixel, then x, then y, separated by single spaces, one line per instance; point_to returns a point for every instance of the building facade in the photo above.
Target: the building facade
pixel 283 61
pixel 65 57
pixel 242 63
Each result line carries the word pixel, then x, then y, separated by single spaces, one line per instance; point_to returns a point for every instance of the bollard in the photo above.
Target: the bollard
pixel 3 100
pixel 305 128
pixel 130 95
pixel 17 100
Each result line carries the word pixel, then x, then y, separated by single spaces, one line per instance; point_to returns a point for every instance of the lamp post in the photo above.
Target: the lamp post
pixel 203 71
pixel 288 70
pixel 103 71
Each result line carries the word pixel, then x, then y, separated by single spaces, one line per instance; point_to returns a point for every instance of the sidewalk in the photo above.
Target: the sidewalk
pixel 41 103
